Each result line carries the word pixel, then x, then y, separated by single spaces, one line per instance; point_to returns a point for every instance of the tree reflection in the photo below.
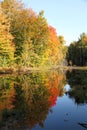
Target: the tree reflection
pixel 77 79
pixel 7 93
pixel 32 97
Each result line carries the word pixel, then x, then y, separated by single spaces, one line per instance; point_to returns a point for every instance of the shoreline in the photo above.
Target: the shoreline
pixel 19 70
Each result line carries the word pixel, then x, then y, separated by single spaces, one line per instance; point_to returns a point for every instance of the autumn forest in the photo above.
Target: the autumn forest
pixel 28 41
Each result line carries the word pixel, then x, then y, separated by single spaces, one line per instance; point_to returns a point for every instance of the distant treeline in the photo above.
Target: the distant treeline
pixel 77 51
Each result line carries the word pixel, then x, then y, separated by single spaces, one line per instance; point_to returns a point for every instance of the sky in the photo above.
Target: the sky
pixel 68 17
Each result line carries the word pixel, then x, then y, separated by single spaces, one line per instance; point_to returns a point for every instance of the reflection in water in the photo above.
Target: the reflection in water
pixel 77 80
pixel 26 100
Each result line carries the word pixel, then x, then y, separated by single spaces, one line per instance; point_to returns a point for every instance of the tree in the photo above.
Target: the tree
pixel 56 50
pixel 13 8
pixel 80 46
pixel 62 50
pixel 36 43
pixel 52 49
pixel 6 45
pixel 61 39
pixel 37 32
pixel 28 30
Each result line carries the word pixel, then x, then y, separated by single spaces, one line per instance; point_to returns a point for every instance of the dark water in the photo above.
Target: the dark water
pixel 53 100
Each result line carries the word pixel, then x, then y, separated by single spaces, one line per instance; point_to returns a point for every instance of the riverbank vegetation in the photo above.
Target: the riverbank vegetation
pixel 26 39
pixel 28 42
pixel 77 52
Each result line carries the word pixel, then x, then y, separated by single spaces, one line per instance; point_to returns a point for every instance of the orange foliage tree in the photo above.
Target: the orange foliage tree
pixel 53 47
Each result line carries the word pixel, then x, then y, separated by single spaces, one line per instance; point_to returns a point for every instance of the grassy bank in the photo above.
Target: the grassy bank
pixel 76 67
pixel 11 70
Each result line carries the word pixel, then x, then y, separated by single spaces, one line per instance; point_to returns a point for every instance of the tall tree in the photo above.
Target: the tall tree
pixel 53 47
pixel 12 9
pixel 63 50
pixel 80 46
pixel 37 36
pixel 6 45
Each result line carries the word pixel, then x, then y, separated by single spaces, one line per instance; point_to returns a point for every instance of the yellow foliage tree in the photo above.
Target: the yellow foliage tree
pixel 6 45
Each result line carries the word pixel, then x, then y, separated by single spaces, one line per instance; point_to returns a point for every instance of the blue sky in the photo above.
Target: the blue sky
pixel 69 17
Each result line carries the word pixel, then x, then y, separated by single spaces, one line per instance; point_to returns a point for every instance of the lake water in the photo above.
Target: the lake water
pixel 52 100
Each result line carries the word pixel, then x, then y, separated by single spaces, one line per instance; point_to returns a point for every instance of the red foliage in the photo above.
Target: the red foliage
pixel 54 91
pixel 54 94
pixel 53 35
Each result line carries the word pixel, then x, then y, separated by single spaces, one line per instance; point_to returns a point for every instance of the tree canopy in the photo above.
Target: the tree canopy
pixel 6 45
pixel 36 42
pixel 77 51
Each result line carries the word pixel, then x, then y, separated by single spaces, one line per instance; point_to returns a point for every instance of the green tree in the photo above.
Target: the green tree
pixel 6 45
pixel 62 49
pixel 14 9
pixel 77 51
pixel 36 39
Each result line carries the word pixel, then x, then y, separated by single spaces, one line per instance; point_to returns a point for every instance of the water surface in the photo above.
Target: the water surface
pixel 44 101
